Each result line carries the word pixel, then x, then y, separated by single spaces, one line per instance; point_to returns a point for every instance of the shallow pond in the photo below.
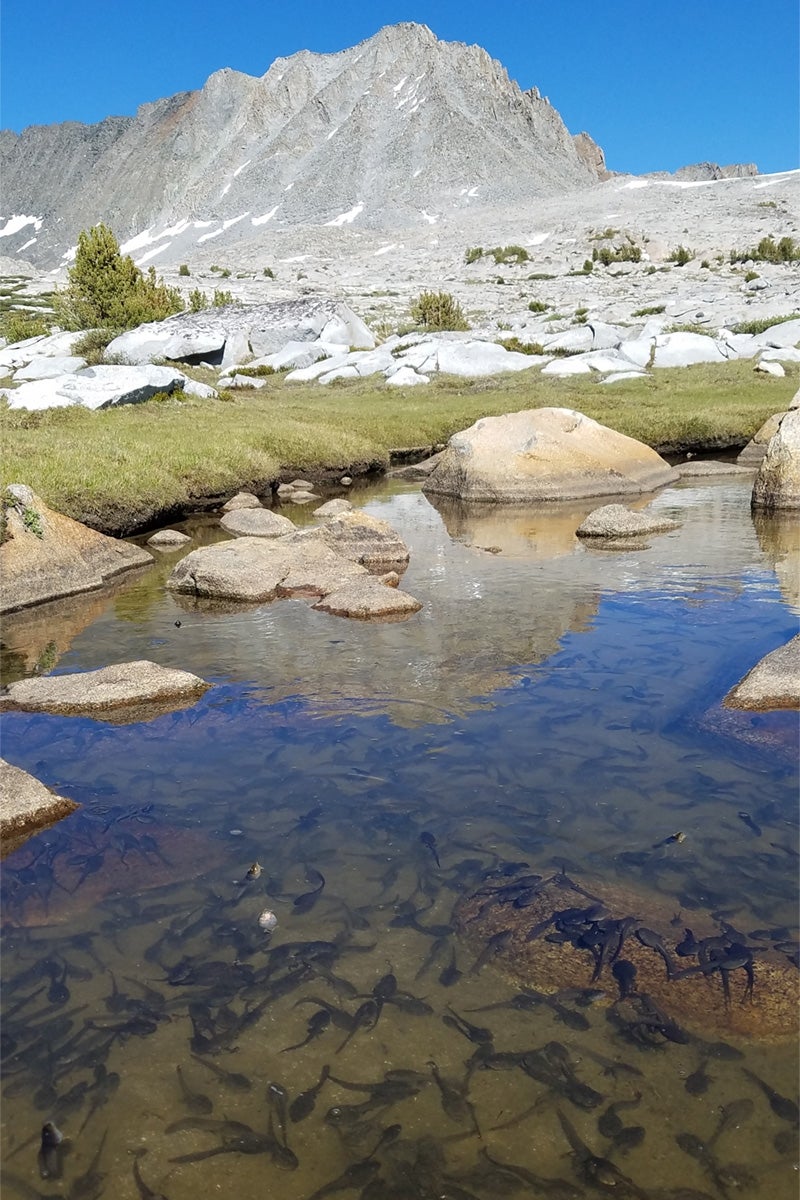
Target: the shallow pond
pixel 552 705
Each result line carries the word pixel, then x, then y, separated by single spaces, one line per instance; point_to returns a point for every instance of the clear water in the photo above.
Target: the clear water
pixel 552 704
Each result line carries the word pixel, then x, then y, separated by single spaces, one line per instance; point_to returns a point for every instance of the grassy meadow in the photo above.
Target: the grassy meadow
pixel 121 469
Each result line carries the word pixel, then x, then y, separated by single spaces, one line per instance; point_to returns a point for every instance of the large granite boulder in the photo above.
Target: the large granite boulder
pixel 96 387
pixel 777 484
pixel 49 367
pixel 130 685
pixel 367 598
pixel 774 682
pixel 683 349
pixel 617 521
pixel 252 329
pixel 545 454
pixel 46 556
pixel 332 508
pixel 256 522
pixel 756 448
pixel 26 804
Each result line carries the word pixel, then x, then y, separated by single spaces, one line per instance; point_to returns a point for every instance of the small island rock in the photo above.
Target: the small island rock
pixel 256 522
pixel 774 682
pixel 99 693
pixel 26 804
pixel 617 521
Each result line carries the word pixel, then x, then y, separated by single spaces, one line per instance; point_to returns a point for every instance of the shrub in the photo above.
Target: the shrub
pixel 269 273
pixel 537 306
pixel 198 300
pixel 749 276
pixel 225 274
pixel 92 345
pixel 505 255
pixel 438 310
pixel 607 255
pixel 473 254
pixel 16 326
pixel 541 275
pixel 183 269
pixel 513 343
pixel 588 266
pixel 652 311
pixel 220 299
pixel 705 264
pixel 107 289
pixel 580 316
pixel 761 323
pixel 606 236
pixel 690 327
pixel 681 255
pixel 256 372
pixel 768 250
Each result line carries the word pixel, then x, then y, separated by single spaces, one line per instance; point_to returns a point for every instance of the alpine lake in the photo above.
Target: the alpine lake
pixel 402 798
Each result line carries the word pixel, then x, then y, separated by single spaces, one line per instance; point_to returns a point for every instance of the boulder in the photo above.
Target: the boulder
pixel 683 349
pixel 701 468
pixel 96 387
pixel 47 555
pixel 295 355
pixel 545 454
pixel 257 329
pixel 100 693
pixel 617 521
pixel 241 500
pixel 203 391
pixel 19 353
pixel 623 376
pixel 786 333
pixel 254 570
pixel 767 367
pixel 575 340
pixel 774 682
pixel 404 377
pixel 247 569
pixel 256 522
pixel 777 484
pixel 574 365
pixel 168 539
pixel 473 360
pixel 253 382
pixel 26 804
pixel 363 539
pixel 639 350
pixel 332 508
pixel 604 337
pixel 301 497
pixel 368 599
pixel 49 367
pixel 756 448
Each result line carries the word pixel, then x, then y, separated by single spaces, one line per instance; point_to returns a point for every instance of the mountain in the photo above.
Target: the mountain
pixel 396 133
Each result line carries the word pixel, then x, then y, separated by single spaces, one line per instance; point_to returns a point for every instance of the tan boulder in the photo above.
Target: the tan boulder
pixel 47 556
pixel 363 539
pixel 368 599
pixel 545 454
pixel 246 568
pixel 108 692
pixel 256 522
pixel 756 448
pixel 168 539
pixel 241 500
pixel 777 484
pixel 617 521
pixel 332 508
pixel 316 570
pixel 26 804
pixel 774 682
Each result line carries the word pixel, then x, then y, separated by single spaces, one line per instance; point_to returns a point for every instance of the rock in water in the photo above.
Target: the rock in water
pixel 615 520
pixel 168 539
pixel 25 802
pixel 256 522
pixel 108 692
pixel 47 556
pixel 774 682
pixel 241 500
pixel 777 484
pixel 756 448
pixel 368 599
pixel 363 539
pixel 545 454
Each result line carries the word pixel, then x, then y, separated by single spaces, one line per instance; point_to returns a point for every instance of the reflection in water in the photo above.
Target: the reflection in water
pixel 546 710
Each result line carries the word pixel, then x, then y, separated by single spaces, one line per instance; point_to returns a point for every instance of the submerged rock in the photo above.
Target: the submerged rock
pixel 168 539
pixel 368 598
pixel 26 804
pixel 332 508
pixel 47 556
pixel 774 682
pixel 617 521
pixel 108 692
pixel 545 454
pixel 363 539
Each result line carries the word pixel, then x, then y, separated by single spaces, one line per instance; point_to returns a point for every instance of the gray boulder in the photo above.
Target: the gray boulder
pixel 369 599
pixel 26 804
pixel 100 693
pixel 332 508
pixel 683 349
pixel 766 367
pixel 49 367
pixel 756 448
pixel 544 454
pixel 774 682
pixel 246 569
pixel 168 539
pixel 241 500
pixel 256 522
pixel 617 521
pixel 254 329
pixel 787 333
pixel 777 484
pixel 363 539
pixel 96 387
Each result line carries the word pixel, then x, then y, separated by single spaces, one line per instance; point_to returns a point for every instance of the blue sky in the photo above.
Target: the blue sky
pixel 658 85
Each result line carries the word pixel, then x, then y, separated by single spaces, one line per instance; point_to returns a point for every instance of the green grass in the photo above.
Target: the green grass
pixel 149 458
pixel 758 325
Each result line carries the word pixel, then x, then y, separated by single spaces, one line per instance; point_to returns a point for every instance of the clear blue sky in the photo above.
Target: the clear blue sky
pixel 657 84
